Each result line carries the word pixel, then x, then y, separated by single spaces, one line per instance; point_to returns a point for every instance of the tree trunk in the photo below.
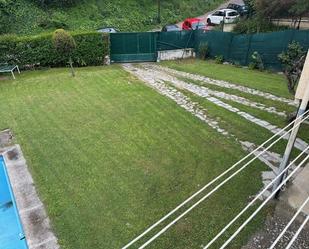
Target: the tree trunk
pixel 71 66
pixel 299 21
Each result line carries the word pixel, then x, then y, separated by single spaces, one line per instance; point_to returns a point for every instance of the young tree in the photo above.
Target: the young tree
pixel 293 62
pixel 64 43
pixel 274 8
pixel 300 9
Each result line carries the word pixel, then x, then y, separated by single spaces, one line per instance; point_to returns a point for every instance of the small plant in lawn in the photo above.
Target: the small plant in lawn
pixel 293 62
pixel 219 59
pixel 236 63
pixel 256 62
pixel 204 51
pixel 64 43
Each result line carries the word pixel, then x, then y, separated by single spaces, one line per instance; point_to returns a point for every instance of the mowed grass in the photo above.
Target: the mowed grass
pixel 264 81
pixel 110 156
pixel 267 82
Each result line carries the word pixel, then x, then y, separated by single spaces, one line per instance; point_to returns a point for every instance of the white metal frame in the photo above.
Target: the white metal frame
pixel 11 70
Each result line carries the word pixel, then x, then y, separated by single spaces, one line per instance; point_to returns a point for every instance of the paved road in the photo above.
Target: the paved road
pixel 204 17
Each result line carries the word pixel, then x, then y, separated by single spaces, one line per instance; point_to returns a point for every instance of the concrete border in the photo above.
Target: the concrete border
pixel 298 191
pixel 34 219
pixel 176 54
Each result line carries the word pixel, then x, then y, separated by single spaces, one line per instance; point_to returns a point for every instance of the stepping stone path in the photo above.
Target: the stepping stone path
pixel 206 92
pixel 153 73
pixel 182 100
pixel 224 84
pixel 165 81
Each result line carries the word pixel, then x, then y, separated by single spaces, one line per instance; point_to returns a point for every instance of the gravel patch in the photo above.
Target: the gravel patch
pixel 274 225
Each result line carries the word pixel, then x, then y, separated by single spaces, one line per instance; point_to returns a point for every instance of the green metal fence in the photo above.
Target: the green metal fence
pixel 239 48
pixel 134 47
pixel 175 40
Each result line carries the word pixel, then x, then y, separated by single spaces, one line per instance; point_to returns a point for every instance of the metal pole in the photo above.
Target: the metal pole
pixel 293 136
pixel 159 11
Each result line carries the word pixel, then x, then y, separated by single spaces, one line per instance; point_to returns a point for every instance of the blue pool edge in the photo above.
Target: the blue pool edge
pixel 10 188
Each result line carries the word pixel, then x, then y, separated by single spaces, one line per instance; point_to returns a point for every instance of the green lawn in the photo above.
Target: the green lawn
pixel 264 81
pixel 110 156
pixel 276 84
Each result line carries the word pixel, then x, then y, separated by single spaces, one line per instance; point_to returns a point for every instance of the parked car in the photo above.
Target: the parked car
pixel 170 28
pixel 243 10
pixel 193 24
pixel 107 30
pixel 223 16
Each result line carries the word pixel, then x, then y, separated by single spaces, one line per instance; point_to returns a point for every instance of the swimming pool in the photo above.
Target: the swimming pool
pixel 11 231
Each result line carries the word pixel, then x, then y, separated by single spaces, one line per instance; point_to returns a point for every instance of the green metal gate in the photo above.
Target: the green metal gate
pixel 133 47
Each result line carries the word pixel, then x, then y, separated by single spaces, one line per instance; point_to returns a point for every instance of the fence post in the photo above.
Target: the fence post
pixel 155 39
pixel 248 50
pixel 229 46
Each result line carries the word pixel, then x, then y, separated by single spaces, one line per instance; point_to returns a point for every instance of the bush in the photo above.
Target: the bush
pixel 31 51
pixel 57 3
pixel 256 25
pixel 64 43
pixel 219 59
pixel 47 23
pixel 293 61
pixel 203 51
pixel 256 62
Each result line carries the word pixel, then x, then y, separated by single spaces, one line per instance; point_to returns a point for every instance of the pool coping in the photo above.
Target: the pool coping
pixel 35 222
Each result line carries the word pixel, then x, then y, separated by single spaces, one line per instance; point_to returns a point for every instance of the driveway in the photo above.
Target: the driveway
pixel 224 5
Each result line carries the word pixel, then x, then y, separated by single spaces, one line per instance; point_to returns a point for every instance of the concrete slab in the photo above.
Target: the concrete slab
pixel 298 192
pixel 275 222
pixel 6 138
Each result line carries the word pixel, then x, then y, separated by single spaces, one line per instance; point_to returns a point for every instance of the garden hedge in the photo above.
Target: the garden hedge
pixel 38 51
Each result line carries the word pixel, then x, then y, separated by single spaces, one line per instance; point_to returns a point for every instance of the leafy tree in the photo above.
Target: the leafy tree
pixel 59 3
pixel 293 62
pixel 282 8
pixel 65 44
pixel 4 17
pixel 274 8
pixel 300 8
pixel 251 6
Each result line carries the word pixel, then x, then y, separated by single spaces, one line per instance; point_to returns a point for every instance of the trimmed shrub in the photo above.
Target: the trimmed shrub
pixel 64 43
pixel 203 51
pixel 256 62
pixel 219 59
pixel 293 60
pixel 256 25
pixel 39 51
